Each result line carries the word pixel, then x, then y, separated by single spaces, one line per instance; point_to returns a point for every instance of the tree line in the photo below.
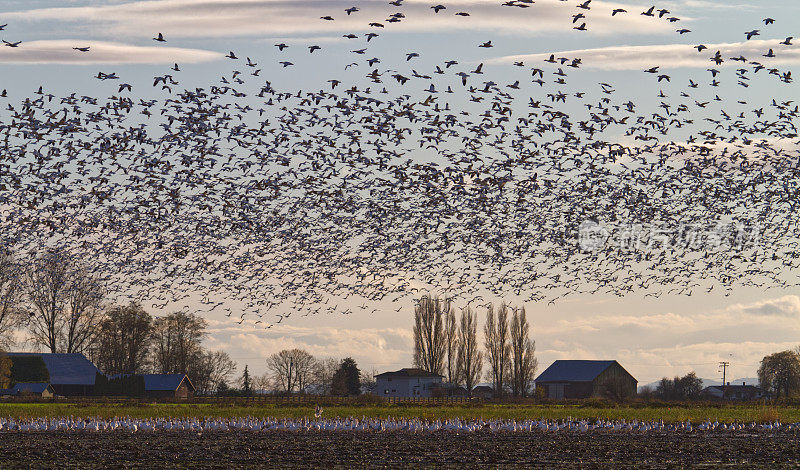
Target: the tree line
pixel 296 371
pixel 62 308
pixel 778 377
pixel 448 346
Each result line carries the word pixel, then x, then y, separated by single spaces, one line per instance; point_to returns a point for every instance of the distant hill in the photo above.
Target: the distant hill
pixel 745 380
pixel 713 382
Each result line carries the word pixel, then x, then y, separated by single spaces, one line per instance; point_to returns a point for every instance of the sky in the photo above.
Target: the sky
pixel 650 337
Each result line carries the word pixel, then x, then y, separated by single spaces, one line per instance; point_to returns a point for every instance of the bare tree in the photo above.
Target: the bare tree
pixel 11 287
pixel 5 370
pixel 470 359
pixel 429 337
pixel 177 341
pixel 498 349
pixel 215 367
pixel 282 366
pixel 368 381
pixel 84 300
pixel 451 345
pixel 523 359
pixel 291 369
pixel 123 340
pixel 322 374
pixel 64 303
pixel 262 383
pixel 304 368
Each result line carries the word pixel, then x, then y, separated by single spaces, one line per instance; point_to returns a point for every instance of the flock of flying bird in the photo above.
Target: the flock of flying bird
pixel 386 184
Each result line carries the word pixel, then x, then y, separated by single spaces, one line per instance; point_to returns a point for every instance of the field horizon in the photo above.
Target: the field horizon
pixel 669 413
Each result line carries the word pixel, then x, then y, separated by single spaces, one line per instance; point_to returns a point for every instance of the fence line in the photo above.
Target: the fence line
pixel 366 399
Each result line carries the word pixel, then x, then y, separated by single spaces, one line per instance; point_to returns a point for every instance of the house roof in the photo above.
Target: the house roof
pixel 574 371
pixel 732 387
pixel 66 369
pixel 409 372
pixel 30 387
pixel 161 382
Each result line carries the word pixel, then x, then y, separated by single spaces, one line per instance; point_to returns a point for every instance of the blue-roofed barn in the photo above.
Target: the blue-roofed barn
pixel 168 386
pixel 584 379
pixel 43 390
pixel 69 374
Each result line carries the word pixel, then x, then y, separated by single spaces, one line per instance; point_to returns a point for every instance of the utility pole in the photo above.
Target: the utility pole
pixel 724 365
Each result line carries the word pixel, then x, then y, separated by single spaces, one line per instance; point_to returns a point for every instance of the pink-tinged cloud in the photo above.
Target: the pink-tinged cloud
pixel 61 52
pixel 669 56
pixel 224 18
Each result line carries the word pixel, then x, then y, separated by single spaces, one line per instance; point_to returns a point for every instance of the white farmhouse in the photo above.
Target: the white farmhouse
pixel 407 383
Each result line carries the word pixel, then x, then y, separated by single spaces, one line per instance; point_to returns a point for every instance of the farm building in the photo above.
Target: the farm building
pixel 407 383
pixel 483 391
pixel 733 392
pixel 68 374
pixel 43 390
pixel 448 390
pixel 584 379
pixel 168 386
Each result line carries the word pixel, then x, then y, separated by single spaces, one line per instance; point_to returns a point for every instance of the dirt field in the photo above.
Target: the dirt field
pixel 395 450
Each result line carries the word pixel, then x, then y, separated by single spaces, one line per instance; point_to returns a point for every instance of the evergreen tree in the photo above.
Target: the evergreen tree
pixel 346 380
pixel 222 389
pixel 247 388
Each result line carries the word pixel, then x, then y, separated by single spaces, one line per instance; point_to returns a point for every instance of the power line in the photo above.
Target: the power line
pixel 724 365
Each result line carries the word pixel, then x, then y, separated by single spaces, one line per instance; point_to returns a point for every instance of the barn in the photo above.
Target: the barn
pixel 168 386
pixel 407 383
pixel 69 374
pixel 584 379
pixel 43 390
pixel 733 392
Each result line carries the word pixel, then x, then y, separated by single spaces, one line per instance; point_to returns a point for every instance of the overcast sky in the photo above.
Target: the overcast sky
pixel 650 337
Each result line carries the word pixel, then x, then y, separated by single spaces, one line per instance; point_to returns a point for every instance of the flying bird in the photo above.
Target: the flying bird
pixel 751 34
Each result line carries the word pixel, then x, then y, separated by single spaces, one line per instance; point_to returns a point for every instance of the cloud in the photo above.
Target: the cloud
pixel 223 18
pixel 61 52
pixel 652 345
pixel 669 55
pixel 711 5
pixel 304 39
pixel 381 348
pixel 787 306
pixel 649 365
